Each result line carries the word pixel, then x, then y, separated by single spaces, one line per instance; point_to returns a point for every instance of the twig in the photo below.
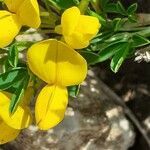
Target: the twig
pixel 127 111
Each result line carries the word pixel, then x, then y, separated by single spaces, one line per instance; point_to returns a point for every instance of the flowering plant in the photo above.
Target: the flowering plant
pixel 77 34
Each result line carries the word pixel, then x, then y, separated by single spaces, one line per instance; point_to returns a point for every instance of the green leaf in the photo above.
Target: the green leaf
pixel 22 45
pixel 111 8
pixel 132 9
pixel 13 56
pixel 118 37
pixel 139 41
pixel 99 17
pixel 90 57
pixel 73 90
pixel 101 37
pixel 121 9
pixel 64 4
pixel 132 18
pixel 17 96
pixel 104 3
pixel 14 87
pixel 119 57
pixel 110 50
pixel 117 24
pixel 7 79
pixel 6 66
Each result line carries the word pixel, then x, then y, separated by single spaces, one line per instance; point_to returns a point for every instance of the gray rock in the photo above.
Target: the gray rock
pixel 92 122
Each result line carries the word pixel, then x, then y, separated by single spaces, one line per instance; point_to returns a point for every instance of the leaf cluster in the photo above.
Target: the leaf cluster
pixel 15 75
pixel 118 39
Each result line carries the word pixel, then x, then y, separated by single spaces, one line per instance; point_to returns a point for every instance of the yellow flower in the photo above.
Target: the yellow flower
pixel 10 125
pixel 21 12
pixel 59 66
pixel 77 29
pixel 7 133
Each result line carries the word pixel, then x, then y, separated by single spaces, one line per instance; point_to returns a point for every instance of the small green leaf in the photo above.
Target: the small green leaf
pixel 22 45
pixel 132 9
pixel 99 17
pixel 110 50
pixel 111 8
pixel 139 41
pixel 73 90
pixel 117 24
pixel 121 8
pixel 119 57
pixel 64 4
pixel 119 37
pixel 101 37
pixel 13 56
pixel 14 87
pixel 132 18
pixel 6 66
pixel 7 79
pixel 90 57
pixel 17 96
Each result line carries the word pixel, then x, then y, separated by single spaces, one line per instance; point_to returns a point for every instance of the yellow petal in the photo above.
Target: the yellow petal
pixel 77 40
pixel 28 13
pixel 51 106
pixel 88 25
pixel 9 28
pixel 78 29
pixel 86 29
pixel 7 133
pixel 55 62
pixel 20 119
pixel 3 98
pixel 69 20
pixel 13 5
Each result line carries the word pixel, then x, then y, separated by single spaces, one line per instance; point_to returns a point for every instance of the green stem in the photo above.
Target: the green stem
pixel 54 4
pixel 96 5
pixel 83 5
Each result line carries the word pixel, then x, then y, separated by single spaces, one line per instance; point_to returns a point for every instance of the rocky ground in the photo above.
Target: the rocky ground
pixel 92 122
pixel 133 85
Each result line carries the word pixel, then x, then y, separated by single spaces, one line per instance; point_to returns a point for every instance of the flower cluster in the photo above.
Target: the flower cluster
pixel 55 62
pixel 20 12
pixel 77 29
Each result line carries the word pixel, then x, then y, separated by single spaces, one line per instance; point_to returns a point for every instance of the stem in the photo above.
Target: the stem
pixel 96 5
pixel 83 5
pixel 53 5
